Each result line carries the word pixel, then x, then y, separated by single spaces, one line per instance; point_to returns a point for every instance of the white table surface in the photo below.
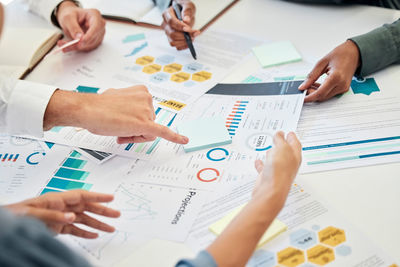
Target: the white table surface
pixel 369 197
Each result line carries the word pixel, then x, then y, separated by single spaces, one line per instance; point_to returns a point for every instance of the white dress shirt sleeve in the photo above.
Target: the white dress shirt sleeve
pixel 43 8
pixel 22 106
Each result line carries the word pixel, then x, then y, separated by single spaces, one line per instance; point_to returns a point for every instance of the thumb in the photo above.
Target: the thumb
pixel 52 216
pixel 259 165
pixel 294 142
pixel 315 73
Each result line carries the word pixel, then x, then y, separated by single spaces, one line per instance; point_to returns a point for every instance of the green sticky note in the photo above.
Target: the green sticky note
pixel 204 133
pixel 276 53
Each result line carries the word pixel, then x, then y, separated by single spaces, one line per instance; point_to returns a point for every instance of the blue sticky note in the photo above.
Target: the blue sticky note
pixel 137 49
pixel 134 38
pixel 277 53
pixel 204 133
pixel 364 86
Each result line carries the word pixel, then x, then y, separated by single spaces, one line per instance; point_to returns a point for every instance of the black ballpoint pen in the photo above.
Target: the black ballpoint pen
pixel 178 9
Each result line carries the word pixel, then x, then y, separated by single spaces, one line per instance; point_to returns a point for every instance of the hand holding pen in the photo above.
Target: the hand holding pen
pixel 174 28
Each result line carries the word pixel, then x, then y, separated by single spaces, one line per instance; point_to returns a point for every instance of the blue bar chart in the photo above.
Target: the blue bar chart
pixel 331 154
pixel 8 157
pixel 70 175
pixel 235 117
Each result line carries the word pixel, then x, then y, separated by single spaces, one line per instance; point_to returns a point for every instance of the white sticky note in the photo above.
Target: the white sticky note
pixel 204 133
pixel 277 227
pixel 276 53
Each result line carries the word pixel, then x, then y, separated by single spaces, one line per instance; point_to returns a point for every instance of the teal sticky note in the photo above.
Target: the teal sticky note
pixel 276 53
pixel 204 133
pixel 134 38
pixel 364 86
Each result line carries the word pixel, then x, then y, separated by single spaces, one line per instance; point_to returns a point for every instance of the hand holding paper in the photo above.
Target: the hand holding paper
pixel 87 25
pixel 237 242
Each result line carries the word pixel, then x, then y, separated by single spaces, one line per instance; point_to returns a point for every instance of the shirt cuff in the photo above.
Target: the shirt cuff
pixel 26 108
pixel 45 8
pixel 203 259
pixel 378 49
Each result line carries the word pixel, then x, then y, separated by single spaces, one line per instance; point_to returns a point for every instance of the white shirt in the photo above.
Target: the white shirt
pixel 23 103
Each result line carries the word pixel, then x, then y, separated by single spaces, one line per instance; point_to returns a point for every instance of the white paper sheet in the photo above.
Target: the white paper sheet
pixel 350 131
pixel 164 212
pixel 251 120
pixel 19 157
pixel 316 234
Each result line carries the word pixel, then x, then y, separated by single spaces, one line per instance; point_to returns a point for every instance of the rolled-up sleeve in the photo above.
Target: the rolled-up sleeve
pixel 22 106
pixel 378 48
pixel 203 259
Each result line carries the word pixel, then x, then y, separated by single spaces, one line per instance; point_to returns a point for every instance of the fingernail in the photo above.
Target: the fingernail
pixel 185 139
pixel 78 36
pixel 186 29
pixel 69 216
pixel 186 18
pixel 302 85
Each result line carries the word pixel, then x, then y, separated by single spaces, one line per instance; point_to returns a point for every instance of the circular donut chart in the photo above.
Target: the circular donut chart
pixel 208 180
pixel 215 154
pixel 259 142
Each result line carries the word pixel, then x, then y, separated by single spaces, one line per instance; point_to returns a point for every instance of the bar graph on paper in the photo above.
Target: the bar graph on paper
pixel 351 154
pixel 71 174
pixel 235 117
pixel 8 157
pixel 163 117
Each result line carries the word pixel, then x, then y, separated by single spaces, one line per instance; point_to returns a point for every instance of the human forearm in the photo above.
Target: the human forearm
pixel 127 113
pixel 66 109
pixel 237 243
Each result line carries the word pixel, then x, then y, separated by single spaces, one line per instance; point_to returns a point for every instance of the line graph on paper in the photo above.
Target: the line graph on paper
pixel 134 203
pixel 108 248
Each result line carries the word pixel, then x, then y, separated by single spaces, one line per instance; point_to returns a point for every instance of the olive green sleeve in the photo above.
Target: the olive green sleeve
pixel 378 48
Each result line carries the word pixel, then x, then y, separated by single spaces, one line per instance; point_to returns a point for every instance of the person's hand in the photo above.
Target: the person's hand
pixel 127 113
pixel 174 28
pixel 1 17
pixel 87 25
pixel 62 211
pixel 340 65
pixel 280 168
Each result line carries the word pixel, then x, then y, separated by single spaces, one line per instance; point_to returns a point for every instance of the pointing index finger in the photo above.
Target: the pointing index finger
pixel 166 133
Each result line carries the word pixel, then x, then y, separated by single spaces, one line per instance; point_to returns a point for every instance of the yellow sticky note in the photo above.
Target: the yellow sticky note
pixel 277 227
pixel 173 104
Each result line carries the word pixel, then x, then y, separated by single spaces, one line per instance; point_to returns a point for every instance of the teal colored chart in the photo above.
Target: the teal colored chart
pixel 364 86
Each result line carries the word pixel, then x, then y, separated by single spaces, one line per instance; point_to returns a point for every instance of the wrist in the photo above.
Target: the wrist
pixel 355 51
pixel 270 198
pixel 65 109
pixel 64 6
pixel 274 191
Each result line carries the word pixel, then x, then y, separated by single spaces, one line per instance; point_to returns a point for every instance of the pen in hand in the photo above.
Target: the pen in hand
pixel 178 10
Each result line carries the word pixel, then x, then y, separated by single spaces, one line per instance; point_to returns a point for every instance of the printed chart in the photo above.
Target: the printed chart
pixel 157 211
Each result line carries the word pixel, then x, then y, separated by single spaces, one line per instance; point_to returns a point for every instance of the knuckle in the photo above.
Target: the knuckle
pixel 337 77
pixel 175 35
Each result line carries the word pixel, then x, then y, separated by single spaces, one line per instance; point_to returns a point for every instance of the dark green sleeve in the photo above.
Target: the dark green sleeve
pixel 378 48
